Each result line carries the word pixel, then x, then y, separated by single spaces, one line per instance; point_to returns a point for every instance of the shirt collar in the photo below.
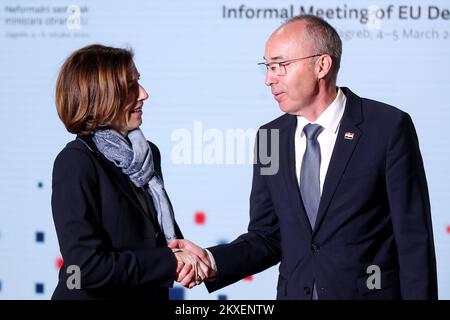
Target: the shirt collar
pixel 331 117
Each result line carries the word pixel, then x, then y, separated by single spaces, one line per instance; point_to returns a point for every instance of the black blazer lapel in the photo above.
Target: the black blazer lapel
pixel 287 164
pixel 118 177
pixel 343 150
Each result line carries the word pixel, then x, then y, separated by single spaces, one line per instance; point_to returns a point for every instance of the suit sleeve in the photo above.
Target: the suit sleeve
pixel 410 212
pixel 256 250
pixel 83 242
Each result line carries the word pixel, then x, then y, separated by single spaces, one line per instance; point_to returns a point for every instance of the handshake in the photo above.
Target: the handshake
pixel 194 263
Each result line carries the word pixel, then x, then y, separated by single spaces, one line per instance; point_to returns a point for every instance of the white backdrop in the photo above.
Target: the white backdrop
pixel 197 60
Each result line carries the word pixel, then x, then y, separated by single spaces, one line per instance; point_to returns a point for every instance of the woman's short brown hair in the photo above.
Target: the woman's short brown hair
pixel 93 87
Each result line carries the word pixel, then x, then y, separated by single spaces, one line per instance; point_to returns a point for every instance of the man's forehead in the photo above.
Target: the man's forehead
pixel 294 28
pixel 283 44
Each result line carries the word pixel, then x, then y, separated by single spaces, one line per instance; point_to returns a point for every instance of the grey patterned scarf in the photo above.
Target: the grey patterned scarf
pixel 136 161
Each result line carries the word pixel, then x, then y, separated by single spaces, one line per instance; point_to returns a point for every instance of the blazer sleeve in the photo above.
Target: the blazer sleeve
pixel 410 213
pixel 77 218
pixel 256 250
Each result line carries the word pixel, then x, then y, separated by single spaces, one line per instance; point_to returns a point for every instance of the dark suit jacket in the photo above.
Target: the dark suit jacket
pixel 374 210
pixel 104 230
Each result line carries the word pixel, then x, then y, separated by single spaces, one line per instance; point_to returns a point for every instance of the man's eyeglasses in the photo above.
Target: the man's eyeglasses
pixel 279 68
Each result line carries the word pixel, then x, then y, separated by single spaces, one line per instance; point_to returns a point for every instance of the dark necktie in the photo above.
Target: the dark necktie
pixel 310 172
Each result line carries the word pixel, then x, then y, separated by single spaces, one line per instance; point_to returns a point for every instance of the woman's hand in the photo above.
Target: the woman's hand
pixel 191 270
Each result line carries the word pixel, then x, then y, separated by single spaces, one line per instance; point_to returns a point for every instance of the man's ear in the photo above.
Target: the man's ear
pixel 323 66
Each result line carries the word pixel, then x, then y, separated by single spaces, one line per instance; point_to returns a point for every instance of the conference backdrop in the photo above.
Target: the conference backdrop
pixel 198 62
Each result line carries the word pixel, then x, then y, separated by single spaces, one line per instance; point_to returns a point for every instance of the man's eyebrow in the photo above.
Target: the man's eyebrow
pixel 274 58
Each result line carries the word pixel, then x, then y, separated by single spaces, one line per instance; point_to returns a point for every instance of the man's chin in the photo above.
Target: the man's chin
pixel 283 107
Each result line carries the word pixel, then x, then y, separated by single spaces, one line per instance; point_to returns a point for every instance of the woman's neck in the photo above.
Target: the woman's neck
pixel 124 133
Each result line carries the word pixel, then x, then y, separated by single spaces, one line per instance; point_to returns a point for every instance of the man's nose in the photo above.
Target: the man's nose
pixel 271 78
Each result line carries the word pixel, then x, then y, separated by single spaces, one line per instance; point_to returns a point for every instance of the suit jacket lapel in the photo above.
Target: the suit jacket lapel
pixel 343 149
pixel 287 164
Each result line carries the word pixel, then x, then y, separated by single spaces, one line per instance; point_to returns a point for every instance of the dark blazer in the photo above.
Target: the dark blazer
pixel 104 230
pixel 374 210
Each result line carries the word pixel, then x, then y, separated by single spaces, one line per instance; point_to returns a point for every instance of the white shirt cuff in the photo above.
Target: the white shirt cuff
pixel 213 262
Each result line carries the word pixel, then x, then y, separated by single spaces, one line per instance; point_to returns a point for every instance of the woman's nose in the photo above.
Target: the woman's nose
pixel 143 95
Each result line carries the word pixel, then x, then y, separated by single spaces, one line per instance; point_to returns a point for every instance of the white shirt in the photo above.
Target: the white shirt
pixel 330 119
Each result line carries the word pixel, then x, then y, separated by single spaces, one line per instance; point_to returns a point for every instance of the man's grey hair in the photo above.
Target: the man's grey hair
pixel 324 39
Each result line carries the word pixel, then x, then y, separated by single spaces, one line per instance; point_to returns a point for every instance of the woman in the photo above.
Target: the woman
pixel 112 215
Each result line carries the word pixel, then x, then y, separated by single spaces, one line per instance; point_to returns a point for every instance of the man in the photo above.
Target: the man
pixel 348 211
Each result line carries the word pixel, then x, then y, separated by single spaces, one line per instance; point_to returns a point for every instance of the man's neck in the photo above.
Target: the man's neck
pixel 326 95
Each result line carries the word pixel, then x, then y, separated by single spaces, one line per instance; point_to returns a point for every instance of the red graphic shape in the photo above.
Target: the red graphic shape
pixel 200 217
pixel 448 229
pixel 249 278
pixel 59 263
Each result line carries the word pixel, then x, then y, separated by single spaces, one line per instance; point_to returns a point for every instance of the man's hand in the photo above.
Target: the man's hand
pixel 184 272
pixel 191 271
